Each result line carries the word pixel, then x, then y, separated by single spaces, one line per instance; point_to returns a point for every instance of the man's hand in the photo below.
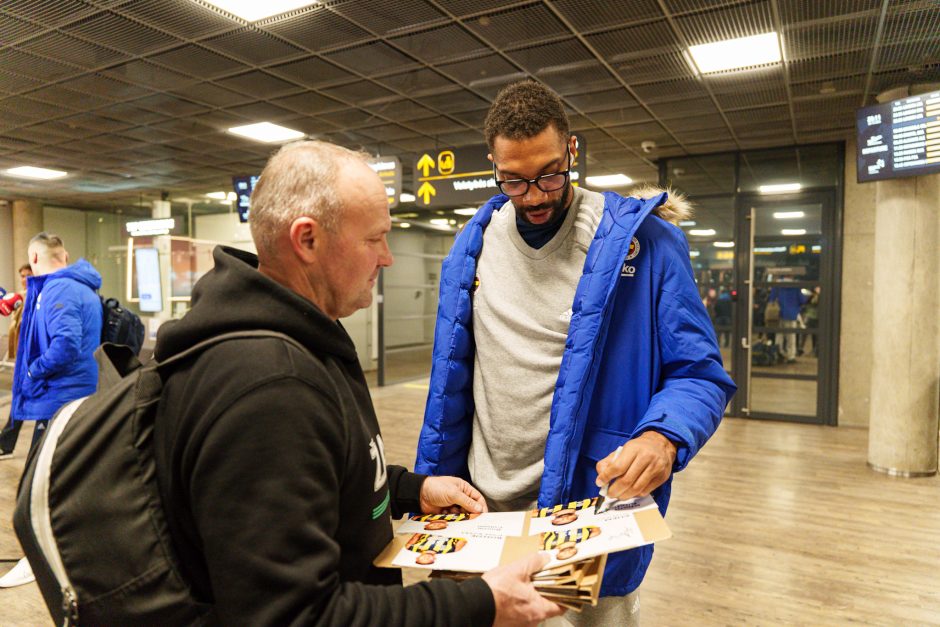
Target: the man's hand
pixel 643 465
pixel 517 602
pixel 450 495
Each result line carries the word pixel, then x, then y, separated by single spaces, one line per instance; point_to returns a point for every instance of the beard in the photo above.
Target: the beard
pixel 557 208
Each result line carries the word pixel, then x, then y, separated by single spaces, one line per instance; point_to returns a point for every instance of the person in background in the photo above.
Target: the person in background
pixel 269 457
pixel 59 332
pixel 569 325
pixel 11 430
pixel 791 300
pixel 723 312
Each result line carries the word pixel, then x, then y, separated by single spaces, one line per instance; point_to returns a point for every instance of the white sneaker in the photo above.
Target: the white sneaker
pixel 20 574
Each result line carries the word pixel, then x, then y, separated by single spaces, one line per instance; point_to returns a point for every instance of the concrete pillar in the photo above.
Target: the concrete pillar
pixel 162 209
pixel 905 383
pixel 27 222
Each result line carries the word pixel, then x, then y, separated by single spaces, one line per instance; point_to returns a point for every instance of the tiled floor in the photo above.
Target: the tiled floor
pixel 773 524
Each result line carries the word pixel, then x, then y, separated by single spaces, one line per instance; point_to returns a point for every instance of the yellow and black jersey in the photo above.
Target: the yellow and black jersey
pixel 444 517
pixel 438 544
pixel 545 512
pixel 554 539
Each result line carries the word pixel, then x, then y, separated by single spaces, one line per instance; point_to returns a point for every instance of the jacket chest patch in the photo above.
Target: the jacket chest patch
pixel 628 269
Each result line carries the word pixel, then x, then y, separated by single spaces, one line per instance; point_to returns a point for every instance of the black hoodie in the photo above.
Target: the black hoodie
pixel 271 468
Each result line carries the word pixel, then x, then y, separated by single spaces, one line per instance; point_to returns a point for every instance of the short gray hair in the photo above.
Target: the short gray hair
pixel 298 180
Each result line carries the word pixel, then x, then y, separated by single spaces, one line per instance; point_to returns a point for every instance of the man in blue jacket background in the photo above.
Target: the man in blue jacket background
pixel 59 332
pixel 569 324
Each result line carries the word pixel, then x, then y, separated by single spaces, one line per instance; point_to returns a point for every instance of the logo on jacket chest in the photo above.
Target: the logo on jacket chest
pixel 627 269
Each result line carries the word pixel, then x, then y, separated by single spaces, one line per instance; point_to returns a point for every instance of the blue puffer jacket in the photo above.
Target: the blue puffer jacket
pixel 60 331
pixel 640 355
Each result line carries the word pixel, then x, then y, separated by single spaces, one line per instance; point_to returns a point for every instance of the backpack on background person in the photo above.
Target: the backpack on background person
pixel 120 325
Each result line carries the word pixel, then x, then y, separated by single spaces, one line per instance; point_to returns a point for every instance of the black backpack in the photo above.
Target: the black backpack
pixel 88 510
pixel 120 325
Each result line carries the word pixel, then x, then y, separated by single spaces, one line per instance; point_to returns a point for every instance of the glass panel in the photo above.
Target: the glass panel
pixel 411 291
pixel 784 346
pixel 711 247
pixel 809 166
pixel 702 175
pixel 793 397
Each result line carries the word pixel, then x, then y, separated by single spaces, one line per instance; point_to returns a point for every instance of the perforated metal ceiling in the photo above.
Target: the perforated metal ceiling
pixel 133 97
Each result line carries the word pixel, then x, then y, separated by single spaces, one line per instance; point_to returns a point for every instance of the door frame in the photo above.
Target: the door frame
pixel 827 374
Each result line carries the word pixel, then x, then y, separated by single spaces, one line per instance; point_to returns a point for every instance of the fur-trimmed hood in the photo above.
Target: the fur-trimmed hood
pixel 676 208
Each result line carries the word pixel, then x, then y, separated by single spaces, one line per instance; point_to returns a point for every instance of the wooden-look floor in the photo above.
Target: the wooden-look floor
pixel 773 524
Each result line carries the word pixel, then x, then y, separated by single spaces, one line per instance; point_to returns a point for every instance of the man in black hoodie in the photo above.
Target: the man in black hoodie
pixel 269 458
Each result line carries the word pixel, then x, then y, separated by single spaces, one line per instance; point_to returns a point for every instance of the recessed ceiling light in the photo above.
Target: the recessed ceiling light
pixel 30 172
pixel 780 188
pixel 266 132
pixel 217 195
pixel 702 232
pixel 789 215
pixel 405 225
pixel 733 54
pixel 793 231
pixel 406 197
pixel 439 221
pixel 253 10
pixel 694 253
pixel 466 211
pixel 687 223
pixel 609 180
pixel 723 244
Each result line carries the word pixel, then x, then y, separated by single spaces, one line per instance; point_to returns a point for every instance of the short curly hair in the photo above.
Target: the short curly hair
pixel 525 109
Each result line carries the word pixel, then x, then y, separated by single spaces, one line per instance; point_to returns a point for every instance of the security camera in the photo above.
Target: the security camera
pixel 648 146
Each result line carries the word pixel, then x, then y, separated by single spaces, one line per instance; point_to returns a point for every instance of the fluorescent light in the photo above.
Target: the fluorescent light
pixel 466 211
pixel 780 189
pixel 609 180
pixel 687 223
pixel 702 232
pixel 770 249
pixel 736 53
pixel 694 253
pixel 266 132
pixel 30 172
pixel 405 197
pixel 252 10
pixel 439 221
pixel 793 232
pixel 723 244
pixel 217 195
pixel 788 215
pixel 405 225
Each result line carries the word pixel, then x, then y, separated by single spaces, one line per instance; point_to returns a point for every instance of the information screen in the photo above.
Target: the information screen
pixel 899 138
pixel 147 265
pixel 243 188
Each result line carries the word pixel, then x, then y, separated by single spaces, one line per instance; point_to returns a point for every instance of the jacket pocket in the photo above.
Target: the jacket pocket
pixel 34 388
pixel 597 444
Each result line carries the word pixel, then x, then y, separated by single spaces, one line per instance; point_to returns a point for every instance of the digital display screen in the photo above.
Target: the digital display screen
pixel 243 188
pixel 147 266
pixel 899 138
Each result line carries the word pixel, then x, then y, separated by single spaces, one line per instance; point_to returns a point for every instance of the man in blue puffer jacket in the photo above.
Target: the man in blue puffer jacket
pixel 60 330
pixel 569 324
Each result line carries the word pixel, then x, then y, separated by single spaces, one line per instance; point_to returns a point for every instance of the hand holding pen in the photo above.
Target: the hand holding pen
pixel 636 468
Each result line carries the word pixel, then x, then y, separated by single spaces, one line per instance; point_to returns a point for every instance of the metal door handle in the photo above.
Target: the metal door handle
pixel 745 344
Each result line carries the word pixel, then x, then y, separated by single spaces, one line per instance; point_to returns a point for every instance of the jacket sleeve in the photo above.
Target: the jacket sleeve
pixel 694 387
pixel 405 488
pixel 63 315
pixel 264 488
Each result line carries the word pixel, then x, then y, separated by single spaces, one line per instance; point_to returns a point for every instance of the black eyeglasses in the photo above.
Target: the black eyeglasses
pixel 546 182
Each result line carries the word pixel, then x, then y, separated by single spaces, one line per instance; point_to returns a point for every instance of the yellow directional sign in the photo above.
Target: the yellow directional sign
pixel 389 170
pixel 426 191
pixel 426 162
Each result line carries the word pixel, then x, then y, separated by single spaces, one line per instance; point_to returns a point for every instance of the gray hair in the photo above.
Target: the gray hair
pixel 299 180
pixel 52 245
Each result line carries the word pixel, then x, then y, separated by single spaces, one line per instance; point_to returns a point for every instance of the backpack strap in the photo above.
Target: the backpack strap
pixel 235 335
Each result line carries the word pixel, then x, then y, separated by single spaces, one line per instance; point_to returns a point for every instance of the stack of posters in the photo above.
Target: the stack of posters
pixel 577 540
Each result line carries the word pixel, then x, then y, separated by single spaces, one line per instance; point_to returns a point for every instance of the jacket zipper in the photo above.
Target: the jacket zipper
pixel 40 516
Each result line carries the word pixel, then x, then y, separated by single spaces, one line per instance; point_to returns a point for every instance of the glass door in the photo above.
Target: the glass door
pixel 782 322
